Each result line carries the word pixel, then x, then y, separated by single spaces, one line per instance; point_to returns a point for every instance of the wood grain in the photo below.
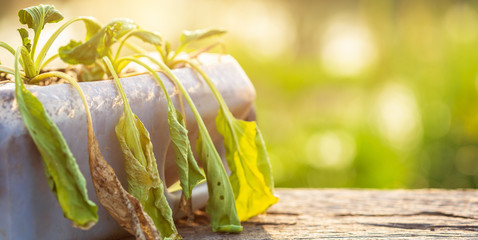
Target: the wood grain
pixel 357 214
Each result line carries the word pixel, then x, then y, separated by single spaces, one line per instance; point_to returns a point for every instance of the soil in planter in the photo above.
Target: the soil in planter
pixel 71 70
pixel 6 78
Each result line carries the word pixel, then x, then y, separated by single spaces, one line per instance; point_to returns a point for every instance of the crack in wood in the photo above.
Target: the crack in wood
pixel 282 213
pixel 424 226
pixel 271 223
pixel 423 213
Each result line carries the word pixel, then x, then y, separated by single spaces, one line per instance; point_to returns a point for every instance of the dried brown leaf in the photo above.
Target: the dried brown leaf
pixel 121 205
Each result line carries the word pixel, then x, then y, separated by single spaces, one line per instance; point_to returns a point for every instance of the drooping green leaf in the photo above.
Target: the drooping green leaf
pixel 63 174
pixel 188 170
pixel 188 37
pixel 249 164
pixel 37 16
pixel 143 178
pixel 121 205
pixel 99 45
pixel 189 173
pixel 142 174
pixel 246 155
pixel 220 205
pixel 25 40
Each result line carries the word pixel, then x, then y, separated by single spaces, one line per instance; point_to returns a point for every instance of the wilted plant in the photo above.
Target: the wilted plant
pixel 143 211
pixel 246 154
pixel 64 177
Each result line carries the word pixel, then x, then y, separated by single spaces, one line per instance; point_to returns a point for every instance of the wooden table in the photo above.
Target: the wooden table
pixel 357 214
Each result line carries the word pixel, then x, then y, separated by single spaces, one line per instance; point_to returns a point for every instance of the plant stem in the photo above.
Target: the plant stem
pixel 122 43
pixel 181 103
pixel 162 53
pixel 10 49
pixel 178 50
pixel 7 47
pixel 9 70
pixel 183 91
pixel 49 60
pixel 155 75
pixel 128 114
pixel 46 47
pixel 217 95
pixel 70 80
pixel 180 96
pixel 118 85
pixel 35 41
pixel 18 84
pixel 215 92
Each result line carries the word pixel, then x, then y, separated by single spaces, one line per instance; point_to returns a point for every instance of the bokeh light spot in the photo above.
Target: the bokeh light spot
pixel 331 149
pixel 397 116
pixel 347 48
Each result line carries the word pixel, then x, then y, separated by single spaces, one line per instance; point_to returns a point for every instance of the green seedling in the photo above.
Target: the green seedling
pixel 64 177
pixel 90 52
pixel 36 17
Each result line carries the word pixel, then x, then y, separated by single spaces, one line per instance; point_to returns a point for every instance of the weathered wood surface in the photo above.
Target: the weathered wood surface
pixel 357 214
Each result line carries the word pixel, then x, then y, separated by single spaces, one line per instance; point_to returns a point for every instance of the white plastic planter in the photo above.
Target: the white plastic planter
pixel 29 210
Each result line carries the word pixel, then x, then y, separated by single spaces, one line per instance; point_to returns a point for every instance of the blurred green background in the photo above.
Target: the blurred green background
pixel 376 94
